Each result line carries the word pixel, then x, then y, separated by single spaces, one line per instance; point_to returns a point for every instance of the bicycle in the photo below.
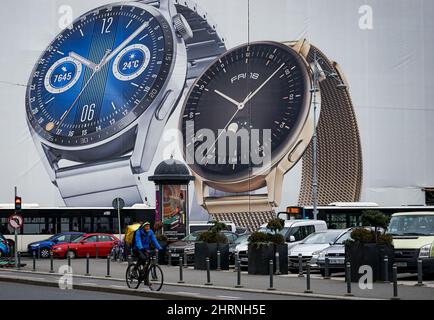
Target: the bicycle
pixel 150 273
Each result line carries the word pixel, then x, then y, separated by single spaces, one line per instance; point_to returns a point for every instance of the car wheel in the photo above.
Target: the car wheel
pixel 322 271
pixel 71 254
pixel 44 253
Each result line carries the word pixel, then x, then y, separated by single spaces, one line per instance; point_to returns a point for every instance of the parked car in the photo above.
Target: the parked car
pixel 186 245
pixel 293 231
pixel 311 244
pixel 4 247
pixel 241 231
pixel 205 225
pixel 335 253
pixel 94 244
pixel 233 246
pixel 42 248
pixel 413 239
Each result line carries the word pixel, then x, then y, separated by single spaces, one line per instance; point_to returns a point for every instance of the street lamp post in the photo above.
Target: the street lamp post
pixel 314 90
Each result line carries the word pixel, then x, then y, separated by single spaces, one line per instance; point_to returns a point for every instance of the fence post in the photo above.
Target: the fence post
pixel 386 269
pixel 181 280
pixel 185 260
pixel 208 273
pixel 277 263
pixel 271 271
pixel 308 289
pixel 108 267
pixel 419 273
pixel 96 251
pixel 238 269
pixel 51 262
pixel 300 265
pixel 395 283
pixel 69 258
pixel 18 260
pixel 87 265
pixel 34 261
pixel 326 269
pixel 169 259
pixel 218 261
pixel 348 279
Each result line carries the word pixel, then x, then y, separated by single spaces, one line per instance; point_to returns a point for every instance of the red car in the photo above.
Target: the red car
pixel 90 243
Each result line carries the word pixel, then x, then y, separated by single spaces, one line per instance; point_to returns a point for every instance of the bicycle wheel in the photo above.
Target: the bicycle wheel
pixel 155 278
pixel 132 276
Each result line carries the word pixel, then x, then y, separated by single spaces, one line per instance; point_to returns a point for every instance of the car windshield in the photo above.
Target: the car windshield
pixel 78 239
pixel 344 237
pixel 242 239
pixel 192 236
pixel 411 225
pixel 266 230
pixel 53 237
pixel 321 237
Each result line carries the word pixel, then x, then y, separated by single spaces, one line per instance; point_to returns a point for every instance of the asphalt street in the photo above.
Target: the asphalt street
pixel 19 291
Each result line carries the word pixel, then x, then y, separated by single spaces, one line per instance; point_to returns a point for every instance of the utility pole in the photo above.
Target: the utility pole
pixel 315 89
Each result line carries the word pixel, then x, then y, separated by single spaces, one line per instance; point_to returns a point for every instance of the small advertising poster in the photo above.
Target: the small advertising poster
pixel 174 211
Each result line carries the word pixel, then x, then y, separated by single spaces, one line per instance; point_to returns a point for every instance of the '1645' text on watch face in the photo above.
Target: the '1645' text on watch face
pixel 99 75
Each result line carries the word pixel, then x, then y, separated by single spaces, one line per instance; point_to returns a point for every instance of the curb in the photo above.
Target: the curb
pixel 126 291
pixel 276 292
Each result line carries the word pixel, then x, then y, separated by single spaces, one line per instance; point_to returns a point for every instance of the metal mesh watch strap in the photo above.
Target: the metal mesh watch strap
pixel 207 43
pixel 339 164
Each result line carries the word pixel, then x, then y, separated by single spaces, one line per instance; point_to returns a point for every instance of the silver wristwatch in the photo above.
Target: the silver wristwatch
pixel 91 159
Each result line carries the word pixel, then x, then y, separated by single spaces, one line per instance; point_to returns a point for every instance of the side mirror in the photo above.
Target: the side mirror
pixel 291 239
pixel 331 243
pixel 55 241
pixel 82 242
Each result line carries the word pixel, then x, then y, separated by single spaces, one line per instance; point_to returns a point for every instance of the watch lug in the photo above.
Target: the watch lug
pixel 274 182
pixel 301 46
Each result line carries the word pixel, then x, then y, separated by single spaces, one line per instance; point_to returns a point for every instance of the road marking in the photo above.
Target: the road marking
pixel 116 286
pixel 229 297
pixel 88 284
pixel 190 293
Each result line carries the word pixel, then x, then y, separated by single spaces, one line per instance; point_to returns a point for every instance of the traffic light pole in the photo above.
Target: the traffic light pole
pixel 16 236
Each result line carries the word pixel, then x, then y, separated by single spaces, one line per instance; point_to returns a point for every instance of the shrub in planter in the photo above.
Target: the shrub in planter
pixel 370 246
pixel 209 243
pixel 263 247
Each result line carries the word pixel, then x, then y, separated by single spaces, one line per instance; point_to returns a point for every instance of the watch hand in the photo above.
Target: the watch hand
pixel 251 95
pixel 82 60
pixel 227 98
pixel 123 44
pixel 95 70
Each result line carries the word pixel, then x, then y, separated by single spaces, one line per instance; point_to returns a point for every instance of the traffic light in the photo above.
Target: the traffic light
pixel 18 203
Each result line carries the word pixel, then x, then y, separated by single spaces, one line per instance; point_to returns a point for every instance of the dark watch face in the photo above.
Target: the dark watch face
pixel 99 75
pixel 244 108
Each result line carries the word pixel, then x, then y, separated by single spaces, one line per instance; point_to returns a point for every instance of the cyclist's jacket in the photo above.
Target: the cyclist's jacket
pixel 142 240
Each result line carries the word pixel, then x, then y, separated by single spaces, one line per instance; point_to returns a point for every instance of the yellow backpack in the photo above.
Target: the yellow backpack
pixel 129 233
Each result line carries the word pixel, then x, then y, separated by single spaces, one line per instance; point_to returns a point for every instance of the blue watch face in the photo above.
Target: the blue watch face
pixel 99 75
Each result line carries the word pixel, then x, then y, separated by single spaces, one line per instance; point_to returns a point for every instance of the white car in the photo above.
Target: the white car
pixel 313 243
pixel 293 231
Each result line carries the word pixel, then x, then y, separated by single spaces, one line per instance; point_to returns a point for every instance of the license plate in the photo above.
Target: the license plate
pixel 244 259
pixel 401 264
pixel 335 261
pixel 175 255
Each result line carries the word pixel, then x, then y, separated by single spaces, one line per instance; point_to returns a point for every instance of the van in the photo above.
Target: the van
pixel 413 238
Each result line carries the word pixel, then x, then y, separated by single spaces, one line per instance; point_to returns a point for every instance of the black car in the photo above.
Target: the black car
pixel 185 247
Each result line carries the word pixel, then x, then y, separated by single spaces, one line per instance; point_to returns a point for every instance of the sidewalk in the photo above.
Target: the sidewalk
pixel 290 284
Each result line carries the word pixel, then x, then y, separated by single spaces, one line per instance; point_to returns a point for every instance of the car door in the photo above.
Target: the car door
pixel 87 246
pixel 105 245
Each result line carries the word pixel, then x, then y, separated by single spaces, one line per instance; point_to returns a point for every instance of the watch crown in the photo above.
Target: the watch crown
pixel 182 27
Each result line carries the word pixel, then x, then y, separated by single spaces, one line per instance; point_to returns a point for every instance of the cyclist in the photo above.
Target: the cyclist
pixel 143 238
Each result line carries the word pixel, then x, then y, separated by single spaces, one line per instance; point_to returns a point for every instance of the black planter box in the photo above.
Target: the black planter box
pixel 371 254
pixel 203 250
pixel 259 258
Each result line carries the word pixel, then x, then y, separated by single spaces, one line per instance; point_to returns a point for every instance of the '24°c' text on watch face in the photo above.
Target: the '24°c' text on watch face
pixel 99 75
pixel 257 86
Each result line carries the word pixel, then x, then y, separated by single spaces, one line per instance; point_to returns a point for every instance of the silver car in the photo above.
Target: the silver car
pixel 309 246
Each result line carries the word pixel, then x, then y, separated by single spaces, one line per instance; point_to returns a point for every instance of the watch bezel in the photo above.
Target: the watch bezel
pixel 249 182
pixel 112 132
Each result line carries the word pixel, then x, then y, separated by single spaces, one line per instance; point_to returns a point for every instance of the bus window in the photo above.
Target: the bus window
pixel 35 226
pixel 102 224
pixel 64 224
pixel 87 224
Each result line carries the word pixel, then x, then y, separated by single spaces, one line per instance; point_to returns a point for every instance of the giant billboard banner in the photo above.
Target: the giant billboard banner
pixel 95 94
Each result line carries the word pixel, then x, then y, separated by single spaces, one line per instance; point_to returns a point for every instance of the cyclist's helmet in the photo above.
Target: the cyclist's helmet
pixel 146 224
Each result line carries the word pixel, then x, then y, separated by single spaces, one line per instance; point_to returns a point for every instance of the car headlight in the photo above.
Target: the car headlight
pixel 319 254
pixel 35 245
pixel 58 248
pixel 425 251
pixel 189 250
